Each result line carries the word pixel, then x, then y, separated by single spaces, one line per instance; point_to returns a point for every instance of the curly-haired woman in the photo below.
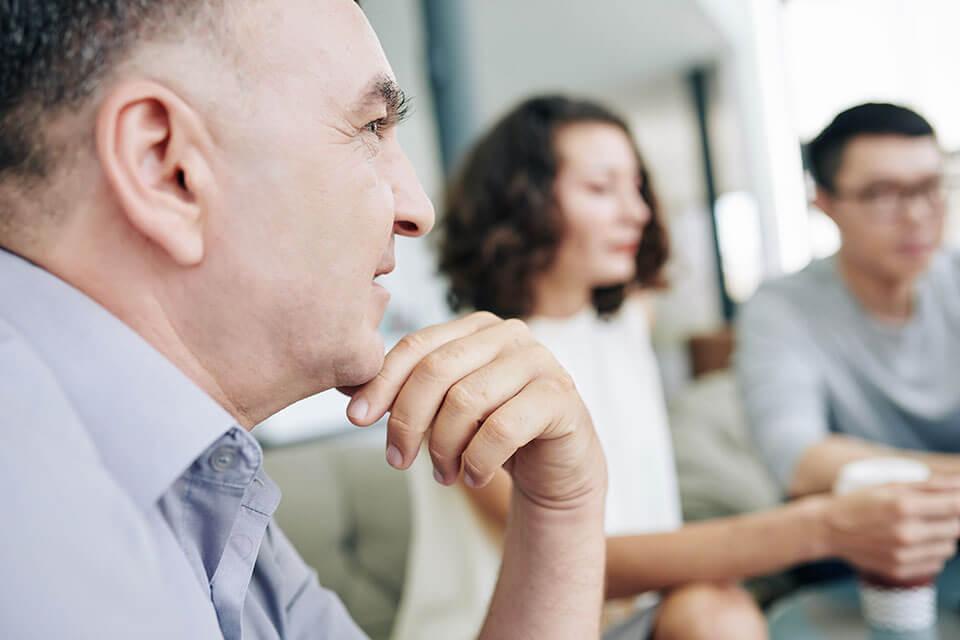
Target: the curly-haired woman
pixel 553 219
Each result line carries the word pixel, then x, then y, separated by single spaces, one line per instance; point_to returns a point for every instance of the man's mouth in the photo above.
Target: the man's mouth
pixel 385 268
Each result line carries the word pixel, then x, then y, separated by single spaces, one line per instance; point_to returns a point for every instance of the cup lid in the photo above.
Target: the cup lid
pixel 876 471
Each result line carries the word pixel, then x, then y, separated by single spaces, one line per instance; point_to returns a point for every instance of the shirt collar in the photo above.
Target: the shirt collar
pixel 148 420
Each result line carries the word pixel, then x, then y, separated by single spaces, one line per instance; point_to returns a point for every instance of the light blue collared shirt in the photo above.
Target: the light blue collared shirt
pixel 133 504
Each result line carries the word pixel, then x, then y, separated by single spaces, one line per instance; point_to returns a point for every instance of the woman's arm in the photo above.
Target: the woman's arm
pixel 726 549
pixel 718 550
pixel 898 531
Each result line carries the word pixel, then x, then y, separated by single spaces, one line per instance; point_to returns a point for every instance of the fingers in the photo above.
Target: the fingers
pixel 474 398
pixel 911 531
pixel 373 399
pixel 905 533
pixel 907 563
pixel 900 573
pixel 925 553
pixel 939 483
pixel 435 380
pixel 919 532
pixel 925 501
pixel 533 413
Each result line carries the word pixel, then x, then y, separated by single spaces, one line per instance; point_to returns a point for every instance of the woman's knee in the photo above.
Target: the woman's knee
pixel 707 611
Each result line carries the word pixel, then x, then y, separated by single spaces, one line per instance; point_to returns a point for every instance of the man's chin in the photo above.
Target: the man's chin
pixel 364 364
pixel 913 265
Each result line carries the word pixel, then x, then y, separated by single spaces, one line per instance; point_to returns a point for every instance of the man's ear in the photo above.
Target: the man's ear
pixel 824 201
pixel 155 153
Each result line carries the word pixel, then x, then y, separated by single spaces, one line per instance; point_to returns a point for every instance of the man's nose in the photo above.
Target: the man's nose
pixel 414 214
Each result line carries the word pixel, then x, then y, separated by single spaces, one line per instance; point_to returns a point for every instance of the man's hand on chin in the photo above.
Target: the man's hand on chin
pixel 485 395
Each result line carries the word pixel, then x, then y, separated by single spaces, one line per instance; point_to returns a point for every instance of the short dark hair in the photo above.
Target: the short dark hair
pixel 499 226
pixel 824 154
pixel 53 54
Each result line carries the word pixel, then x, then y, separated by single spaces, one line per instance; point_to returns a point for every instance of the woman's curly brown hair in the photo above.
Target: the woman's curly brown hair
pixel 500 224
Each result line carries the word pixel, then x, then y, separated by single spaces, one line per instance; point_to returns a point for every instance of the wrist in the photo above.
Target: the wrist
pixel 585 509
pixel 578 484
pixel 574 532
pixel 813 515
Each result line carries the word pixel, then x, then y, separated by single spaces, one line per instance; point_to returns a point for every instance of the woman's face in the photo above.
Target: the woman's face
pixel 597 191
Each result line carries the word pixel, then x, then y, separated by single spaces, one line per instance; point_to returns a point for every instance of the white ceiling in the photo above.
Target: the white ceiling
pixel 602 47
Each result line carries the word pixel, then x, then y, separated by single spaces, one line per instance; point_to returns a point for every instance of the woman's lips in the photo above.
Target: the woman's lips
pixel 626 248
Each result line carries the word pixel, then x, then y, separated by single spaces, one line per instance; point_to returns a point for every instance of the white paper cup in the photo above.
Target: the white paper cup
pixel 899 608
pixel 887 605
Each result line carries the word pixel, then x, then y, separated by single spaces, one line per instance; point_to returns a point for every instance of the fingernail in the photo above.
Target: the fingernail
pixel 358 408
pixel 470 480
pixel 394 457
pixel 439 477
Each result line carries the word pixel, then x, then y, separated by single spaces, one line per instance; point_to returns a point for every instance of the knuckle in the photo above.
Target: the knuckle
pixel 516 326
pixel 898 506
pixel 548 363
pixel 413 342
pixel 898 557
pixel 517 334
pixel 399 426
pixel 542 353
pixel 484 316
pixel 439 452
pixel 560 383
pixel 904 536
pixel 382 378
pixel 566 382
pixel 461 399
pixel 473 466
pixel 498 432
pixel 432 367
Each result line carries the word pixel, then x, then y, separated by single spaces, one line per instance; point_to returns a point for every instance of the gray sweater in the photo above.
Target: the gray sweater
pixel 811 361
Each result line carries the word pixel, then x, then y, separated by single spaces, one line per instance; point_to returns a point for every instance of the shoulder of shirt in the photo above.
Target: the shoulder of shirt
pixel 787 304
pixel 37 417
pixel 796 289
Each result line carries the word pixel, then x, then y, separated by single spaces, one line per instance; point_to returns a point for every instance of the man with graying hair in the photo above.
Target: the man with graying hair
pixel 196 197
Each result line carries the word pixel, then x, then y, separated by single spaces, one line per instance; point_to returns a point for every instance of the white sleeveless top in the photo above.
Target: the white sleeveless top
pixel 615 370
pixel 452 569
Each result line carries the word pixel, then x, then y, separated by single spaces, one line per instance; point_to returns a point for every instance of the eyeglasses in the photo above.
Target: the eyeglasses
pixel 887 202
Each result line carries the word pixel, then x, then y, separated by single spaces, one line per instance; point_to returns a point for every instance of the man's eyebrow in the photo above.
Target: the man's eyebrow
pixel 385 90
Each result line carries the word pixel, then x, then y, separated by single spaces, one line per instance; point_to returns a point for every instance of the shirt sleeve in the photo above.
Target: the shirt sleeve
pixel 781 381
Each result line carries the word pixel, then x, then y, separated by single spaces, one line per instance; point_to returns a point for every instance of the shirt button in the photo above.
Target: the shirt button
pixel 223 458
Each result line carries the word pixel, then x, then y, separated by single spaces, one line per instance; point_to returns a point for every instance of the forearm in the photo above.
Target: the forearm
pixel 717 550
pixel 551 579
pixel 820 464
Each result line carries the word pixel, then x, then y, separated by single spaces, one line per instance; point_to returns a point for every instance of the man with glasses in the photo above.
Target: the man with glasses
pixel 857 355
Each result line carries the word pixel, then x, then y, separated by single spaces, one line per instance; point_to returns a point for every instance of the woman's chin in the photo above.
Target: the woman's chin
pixel 616 279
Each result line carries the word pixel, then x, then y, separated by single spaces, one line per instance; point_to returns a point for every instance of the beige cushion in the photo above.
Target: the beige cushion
pixel 718 466
pixel 348 514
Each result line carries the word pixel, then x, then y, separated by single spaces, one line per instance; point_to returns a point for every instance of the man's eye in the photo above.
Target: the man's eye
pixel 881 193
pixel 375 127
